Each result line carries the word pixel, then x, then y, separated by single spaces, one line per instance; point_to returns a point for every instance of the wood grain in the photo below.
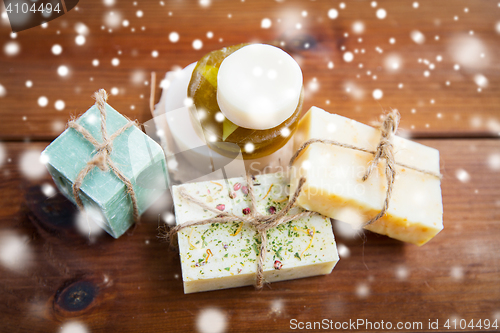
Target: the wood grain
pixel 457 110
pixel 139 285
pixel 134 284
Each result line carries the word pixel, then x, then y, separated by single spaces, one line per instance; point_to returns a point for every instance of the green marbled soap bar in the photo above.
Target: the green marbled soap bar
pixel 134 153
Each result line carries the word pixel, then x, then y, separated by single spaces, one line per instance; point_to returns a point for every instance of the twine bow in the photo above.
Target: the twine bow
pixel 103 150
pixel 262 223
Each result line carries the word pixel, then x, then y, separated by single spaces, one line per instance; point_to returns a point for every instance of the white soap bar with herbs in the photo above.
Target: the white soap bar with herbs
pixel 334 186
pixel 258 86
pixel 219 255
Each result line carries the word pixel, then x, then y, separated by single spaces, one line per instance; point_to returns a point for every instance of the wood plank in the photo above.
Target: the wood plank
pixel 458 109
pixel 133 284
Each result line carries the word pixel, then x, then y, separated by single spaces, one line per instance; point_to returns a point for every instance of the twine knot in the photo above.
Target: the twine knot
pixel 101 158
pixel 385 147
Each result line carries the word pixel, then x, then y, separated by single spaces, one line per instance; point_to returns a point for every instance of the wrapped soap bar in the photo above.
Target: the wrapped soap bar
pixel 131 157
pixel 224 255
pixel 334 185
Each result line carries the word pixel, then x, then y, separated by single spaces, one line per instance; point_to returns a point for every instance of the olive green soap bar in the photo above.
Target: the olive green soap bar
pixel 103 194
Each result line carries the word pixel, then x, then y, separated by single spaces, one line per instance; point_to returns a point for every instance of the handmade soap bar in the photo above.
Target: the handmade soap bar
pixel 334 185
pixel 219 256
pixel 135 154
pixel 258 86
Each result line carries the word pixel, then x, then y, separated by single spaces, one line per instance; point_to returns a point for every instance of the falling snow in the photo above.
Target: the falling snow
pixel 82 29
pixel 137 77
pixel 173 37
pixel 73 326
pixel 481 80
pixel 219 117
pixel 348 56
pixel 43 101
pixel 112 19
pixel 285 132
pixel 265 23
pixel 417 37
pixel 277 306
pixel 351 228
pixel 463 53
pixel 402 273
pixel 89 222
pixel 80 40
pixel 11 49
pixel 358 27
pixel 313 85
pixel 62 70
pixel 392 62
pixel 204 3
pixel 56 49
pixel 466 51
pixel 32 165
pixel 457 273
pixel 249 147
pixel 15 253
pixel 343 251
pixel 377 94
pixel 197 44
pixel 48 190
pixel 59 105
pixel 333 13
pixel 3 154
pixel 462 175
pixel 493 162
pixel 381 13
pixel 362 290
pixel 211 320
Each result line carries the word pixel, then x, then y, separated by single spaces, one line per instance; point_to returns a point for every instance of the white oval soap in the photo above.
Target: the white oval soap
pixel 258 86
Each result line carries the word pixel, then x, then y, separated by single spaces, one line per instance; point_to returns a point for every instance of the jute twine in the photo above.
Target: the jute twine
pixel 103 150
pixel 263 223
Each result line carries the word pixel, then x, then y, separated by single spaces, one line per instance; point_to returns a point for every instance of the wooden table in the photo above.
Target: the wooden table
pixel 447 88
